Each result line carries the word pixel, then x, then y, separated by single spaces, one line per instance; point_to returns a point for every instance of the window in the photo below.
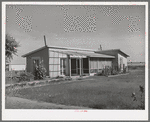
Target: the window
pixel 35 62
pixel 63 62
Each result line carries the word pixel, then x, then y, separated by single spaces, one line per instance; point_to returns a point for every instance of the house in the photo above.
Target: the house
pixel 120 60
pixel 73 61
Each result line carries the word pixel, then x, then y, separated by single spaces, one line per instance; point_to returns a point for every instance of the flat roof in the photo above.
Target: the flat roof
pixel 84 54
pixel 99 51
pixel 77 51
pixel 57 47
pixel 71 48
pixel 34 51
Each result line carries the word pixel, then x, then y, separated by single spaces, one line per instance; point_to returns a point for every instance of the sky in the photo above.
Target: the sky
pixel 80 26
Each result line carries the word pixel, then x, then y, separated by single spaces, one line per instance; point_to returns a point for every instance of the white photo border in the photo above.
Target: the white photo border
pixel 57 114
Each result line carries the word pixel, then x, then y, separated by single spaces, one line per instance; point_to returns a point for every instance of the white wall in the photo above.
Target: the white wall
pixel 54 63
pixel 124 60
pixel 17 67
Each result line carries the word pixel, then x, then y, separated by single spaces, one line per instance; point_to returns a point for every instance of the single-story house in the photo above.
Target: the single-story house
pixel 74 61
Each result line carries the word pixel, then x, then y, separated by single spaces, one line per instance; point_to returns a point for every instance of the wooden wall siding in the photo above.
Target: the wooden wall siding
pixel 99 63
pixel 54 63
pixel 112 53
pixel 42 54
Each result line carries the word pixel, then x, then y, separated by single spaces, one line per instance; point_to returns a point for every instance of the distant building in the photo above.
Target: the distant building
pixel 15 67
pixel 74 61
pixel 136 63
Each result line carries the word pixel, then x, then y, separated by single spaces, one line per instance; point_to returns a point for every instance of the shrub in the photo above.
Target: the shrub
pixel 31 84
pixel 40 72
pixel 68 78
pixel 142 105
pixel 124 70
pixel 26 76
pixel 106 71
pixel 80 78
pixel 100 72
pixel 114 72
pixel 22 84
pixel 59 76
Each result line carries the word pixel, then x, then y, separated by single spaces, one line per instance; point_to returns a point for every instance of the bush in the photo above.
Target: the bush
pixel 106 71
pixel 31 84
pixel 124 70
pixel 142 104
pixel 26 76
pixel 40 72
pixel 100 72
pixel 114 72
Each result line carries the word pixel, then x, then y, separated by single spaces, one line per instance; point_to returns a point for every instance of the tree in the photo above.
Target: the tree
pixel 10 48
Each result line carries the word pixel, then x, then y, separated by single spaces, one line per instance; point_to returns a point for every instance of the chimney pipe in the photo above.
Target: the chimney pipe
pixel 100 48
pixel 45 40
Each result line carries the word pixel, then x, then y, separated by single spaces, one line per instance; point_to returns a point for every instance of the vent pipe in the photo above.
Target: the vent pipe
pixel 100 48
pixel 45 40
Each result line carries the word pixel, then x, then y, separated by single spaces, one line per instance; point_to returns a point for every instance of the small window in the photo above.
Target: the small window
pixel 36 62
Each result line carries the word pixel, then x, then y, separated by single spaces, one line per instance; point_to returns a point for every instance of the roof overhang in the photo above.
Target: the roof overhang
pixel 76 53
pixel 84 54
pixel 95 55
pixel 25 55
pixel 102 51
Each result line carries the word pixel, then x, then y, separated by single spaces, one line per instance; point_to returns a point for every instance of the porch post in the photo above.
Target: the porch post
pixel 62 68
pixel 80 67
pixel 70 66
pixel 89 64
pixel 76 66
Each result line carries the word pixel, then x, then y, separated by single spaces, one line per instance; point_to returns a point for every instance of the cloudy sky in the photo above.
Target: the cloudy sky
pixel 114 27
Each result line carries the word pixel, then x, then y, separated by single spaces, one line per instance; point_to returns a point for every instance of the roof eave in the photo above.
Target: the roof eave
pixel 112 50
pixel 25 55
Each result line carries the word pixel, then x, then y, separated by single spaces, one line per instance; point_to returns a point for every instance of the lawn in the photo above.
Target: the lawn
pixel 98 92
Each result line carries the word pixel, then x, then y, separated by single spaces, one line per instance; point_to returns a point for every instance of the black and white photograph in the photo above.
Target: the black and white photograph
pixel 84 59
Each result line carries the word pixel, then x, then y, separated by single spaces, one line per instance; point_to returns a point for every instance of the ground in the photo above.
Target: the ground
pixel 98 92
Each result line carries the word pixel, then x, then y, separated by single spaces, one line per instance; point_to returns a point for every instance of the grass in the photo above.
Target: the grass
pixel 134 67
pixel 98 92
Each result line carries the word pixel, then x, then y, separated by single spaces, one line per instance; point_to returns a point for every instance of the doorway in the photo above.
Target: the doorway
pixel 85 66
pixel 75 67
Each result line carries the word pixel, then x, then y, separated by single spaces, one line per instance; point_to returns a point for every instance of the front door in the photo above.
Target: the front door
pixel 75 66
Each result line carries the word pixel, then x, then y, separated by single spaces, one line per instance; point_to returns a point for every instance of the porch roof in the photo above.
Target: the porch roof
pixel 85 54
pixel 93 54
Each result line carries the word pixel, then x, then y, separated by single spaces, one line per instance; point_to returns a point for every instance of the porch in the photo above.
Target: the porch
pixel 70 64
